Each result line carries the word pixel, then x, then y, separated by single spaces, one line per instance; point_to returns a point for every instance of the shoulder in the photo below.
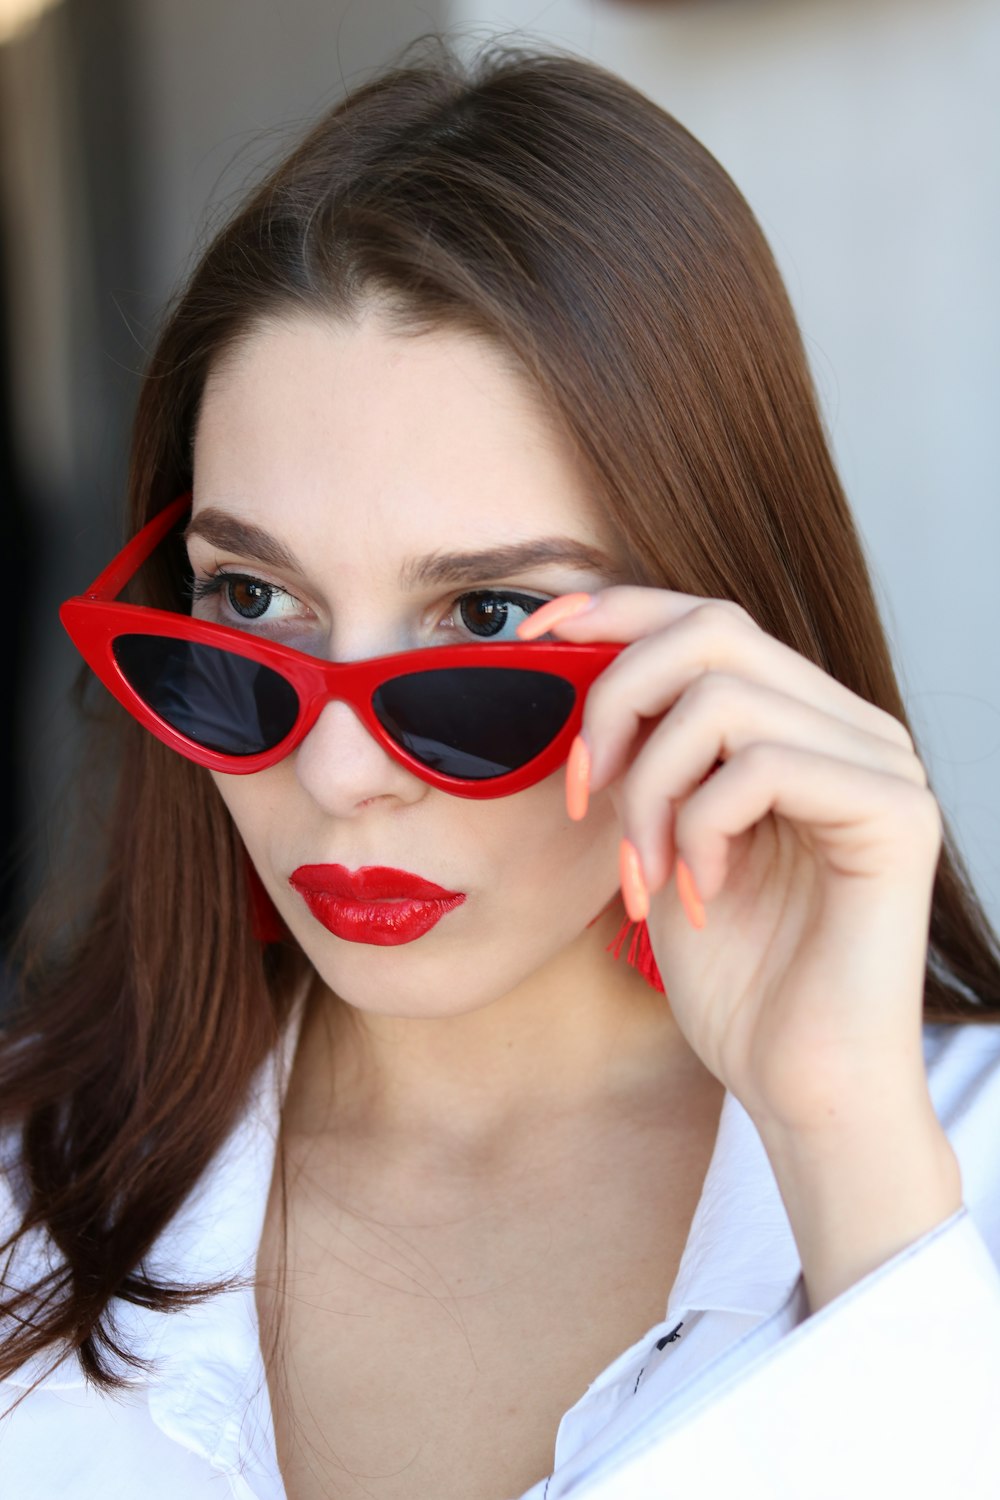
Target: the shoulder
pixel 66 1440
pixel 963 1065
pixel 963 1068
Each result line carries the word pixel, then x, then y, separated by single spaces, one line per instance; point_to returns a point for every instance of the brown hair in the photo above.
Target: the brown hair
pixel 541 202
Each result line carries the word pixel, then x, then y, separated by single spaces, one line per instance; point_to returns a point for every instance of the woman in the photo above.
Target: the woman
pixel 340 1070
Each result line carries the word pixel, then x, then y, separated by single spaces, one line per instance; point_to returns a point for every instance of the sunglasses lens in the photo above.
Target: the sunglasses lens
pixel 221 701
pixel 474 722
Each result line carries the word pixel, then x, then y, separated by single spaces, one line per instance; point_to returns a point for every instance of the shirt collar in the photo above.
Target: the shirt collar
pixel 740 1255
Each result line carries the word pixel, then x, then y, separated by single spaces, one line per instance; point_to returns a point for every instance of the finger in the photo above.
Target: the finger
pixel 716 718
pixel 625 611
pixel 862 821
pixel 649 676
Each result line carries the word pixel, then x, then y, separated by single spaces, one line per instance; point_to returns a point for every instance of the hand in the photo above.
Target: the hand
pixel 813 845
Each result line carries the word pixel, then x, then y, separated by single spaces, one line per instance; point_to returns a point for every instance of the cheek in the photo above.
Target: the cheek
pixel 254 803
pixel 537 854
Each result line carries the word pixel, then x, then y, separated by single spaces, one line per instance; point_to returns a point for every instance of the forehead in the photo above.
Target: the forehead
pixel 384 444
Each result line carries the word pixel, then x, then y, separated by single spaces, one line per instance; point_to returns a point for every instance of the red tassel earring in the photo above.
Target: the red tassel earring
pixel 640 952
pixel 267 924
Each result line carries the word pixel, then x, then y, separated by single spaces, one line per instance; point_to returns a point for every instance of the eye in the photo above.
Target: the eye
pixel 487 613
pixel 249 597
pixel 245 597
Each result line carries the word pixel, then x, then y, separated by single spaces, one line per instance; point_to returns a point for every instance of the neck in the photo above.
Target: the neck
pixel 584 1036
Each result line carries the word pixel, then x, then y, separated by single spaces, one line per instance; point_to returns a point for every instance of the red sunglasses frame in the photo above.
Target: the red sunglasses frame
pixel 94 620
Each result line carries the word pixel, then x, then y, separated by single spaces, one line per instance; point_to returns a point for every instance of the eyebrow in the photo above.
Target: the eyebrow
pixel 231 535
pixel 435 569
pixel 496 562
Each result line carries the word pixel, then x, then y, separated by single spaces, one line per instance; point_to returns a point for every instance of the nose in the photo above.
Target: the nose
pixel 343 768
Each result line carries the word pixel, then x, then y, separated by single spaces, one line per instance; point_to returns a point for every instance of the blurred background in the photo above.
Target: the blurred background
pixel 864 133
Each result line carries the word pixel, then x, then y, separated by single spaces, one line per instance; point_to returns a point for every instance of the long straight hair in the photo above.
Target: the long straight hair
pixel 541 202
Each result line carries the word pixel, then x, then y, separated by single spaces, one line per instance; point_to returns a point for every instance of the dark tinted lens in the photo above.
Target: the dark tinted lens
pixel 221 701
pixel 474 722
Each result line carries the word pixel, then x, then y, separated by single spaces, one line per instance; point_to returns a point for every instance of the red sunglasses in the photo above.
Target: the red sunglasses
pixel 475 720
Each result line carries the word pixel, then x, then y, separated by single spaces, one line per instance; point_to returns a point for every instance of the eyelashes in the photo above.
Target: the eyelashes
pixel 248 597
pixel 485 613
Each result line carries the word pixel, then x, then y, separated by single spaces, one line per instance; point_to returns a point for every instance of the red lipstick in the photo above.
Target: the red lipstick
pixel 374 904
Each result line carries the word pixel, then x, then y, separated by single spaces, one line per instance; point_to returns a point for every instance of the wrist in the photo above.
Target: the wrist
pixel 862 1187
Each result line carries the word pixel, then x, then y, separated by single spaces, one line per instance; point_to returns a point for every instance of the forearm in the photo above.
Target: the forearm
pixel 863 1187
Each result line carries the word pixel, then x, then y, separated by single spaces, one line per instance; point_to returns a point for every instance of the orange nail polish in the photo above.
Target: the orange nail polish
pixel 578 779
pixel 690 899
pixel 551 614
pixel 634 892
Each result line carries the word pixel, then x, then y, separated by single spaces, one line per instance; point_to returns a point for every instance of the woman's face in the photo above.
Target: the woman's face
pixel 361 453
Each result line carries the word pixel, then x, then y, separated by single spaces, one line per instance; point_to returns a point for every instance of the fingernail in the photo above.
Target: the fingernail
pixel 690 900
pixel 578 779
pixel 634 892
pixel 553 613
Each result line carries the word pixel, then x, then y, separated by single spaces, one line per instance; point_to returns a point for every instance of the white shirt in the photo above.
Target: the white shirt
pixel 891 1390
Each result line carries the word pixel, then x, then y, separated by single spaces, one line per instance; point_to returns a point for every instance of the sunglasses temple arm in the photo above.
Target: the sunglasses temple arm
pixel 109 584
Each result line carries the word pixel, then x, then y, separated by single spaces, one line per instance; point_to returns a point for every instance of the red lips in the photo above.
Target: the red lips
pixel 374 904
pixel 370 883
